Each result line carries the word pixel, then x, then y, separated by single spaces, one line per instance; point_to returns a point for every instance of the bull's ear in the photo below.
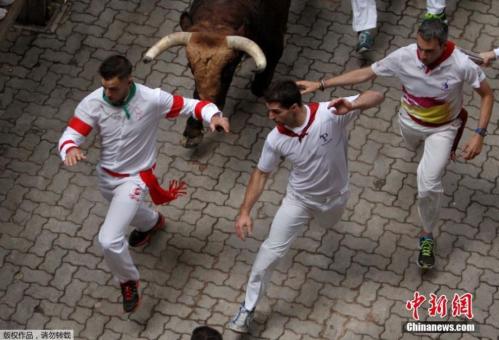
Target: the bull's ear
pixel 241 30
pixel 185 21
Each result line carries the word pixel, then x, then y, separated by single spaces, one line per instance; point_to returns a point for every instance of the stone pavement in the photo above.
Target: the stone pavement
pixel 349 282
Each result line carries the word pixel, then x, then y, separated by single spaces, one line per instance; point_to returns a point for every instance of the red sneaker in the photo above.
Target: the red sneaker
pixel 131 297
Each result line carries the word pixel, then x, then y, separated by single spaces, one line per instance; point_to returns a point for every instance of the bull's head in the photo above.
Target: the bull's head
pixel 212 58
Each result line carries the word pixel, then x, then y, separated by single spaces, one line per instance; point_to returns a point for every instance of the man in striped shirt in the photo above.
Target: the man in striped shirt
pixel 432 72
pixel 127 116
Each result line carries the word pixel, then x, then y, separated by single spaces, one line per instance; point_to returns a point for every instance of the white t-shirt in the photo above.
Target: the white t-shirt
pixel 319 162
pixel 433 96
pixel 129 144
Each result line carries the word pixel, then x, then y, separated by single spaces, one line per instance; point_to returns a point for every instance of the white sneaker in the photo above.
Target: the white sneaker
pixel 3 13
pixel 4 3
pixel 242 320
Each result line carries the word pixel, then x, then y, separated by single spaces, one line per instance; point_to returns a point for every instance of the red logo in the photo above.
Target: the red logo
pixel 438 305
pixel 461 305
pixel 136 194
pixel 414 304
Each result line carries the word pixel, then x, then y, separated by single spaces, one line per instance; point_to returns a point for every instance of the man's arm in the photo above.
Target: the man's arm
pixel 73 156
pixel 473 146
pixel 74 135
pixel 350 78
pixel 244 224
pixel 364 101
pixel 171 106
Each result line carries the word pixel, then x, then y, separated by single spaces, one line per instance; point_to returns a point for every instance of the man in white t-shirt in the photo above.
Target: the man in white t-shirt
pixel 433 73
pixel 314 139
pixel 365 17
pixel 127 117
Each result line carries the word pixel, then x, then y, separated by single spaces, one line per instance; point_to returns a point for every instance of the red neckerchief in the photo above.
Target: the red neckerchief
pixel 285 131
pixel 449 48
pixel 157 193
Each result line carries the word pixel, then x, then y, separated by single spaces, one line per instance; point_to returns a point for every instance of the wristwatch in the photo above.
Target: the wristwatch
pixel 481 131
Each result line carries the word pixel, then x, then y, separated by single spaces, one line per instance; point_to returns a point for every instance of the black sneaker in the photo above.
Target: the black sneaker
pixel 131 297
pixel 426 258
pixel 138 238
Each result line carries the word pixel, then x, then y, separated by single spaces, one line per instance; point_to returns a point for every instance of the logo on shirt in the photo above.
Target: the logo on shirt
pixel 324 138
pixel 136 194
pixel 112 113
pixel 445 85
pixel 137 112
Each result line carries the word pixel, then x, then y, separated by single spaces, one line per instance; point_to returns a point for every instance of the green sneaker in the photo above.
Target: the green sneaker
pixel 366 42
pixel 432 16
pixel 426 258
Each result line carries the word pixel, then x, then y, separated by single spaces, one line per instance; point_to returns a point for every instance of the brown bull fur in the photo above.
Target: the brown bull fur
pixel 212 62
pixel 208 54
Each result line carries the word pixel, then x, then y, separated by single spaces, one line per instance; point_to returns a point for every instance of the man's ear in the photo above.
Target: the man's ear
pixel 185 21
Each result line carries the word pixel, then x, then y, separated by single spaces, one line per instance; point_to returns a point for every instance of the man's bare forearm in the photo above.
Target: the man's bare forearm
pixel 486 104
pixel 367 100
pixel 351 78
pixel 254 190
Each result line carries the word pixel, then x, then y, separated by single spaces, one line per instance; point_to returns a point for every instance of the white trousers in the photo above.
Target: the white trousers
pixel 127 206
pixel 437 147
pixel 288 222
pixel 365 13
pixel 435 6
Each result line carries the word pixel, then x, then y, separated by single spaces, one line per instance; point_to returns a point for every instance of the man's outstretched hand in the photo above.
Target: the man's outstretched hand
pixel 307 86
pixel 73 156
pixel 342 106
pixel 219 123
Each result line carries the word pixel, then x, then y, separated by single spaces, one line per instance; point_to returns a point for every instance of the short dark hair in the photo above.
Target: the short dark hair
pixel 115 66
pixel 285 92
pixel 206 333
pixel 434 28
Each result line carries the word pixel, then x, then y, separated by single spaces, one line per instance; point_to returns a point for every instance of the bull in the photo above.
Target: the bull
pixel 216 34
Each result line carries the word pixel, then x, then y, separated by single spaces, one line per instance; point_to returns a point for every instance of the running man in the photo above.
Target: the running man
pixel 432 72
pixel 127 116
pixel 314 139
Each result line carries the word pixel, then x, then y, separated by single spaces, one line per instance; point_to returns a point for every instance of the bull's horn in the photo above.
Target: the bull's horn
pixel 250 47
pixel 172 39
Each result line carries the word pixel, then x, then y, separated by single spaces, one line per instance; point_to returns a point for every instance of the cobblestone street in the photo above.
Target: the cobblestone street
pixel 348 282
